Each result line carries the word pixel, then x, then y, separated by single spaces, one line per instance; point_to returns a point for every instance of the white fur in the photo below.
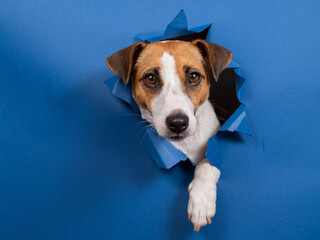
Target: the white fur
pixel 195 146
pixel 202 125
pixel 203 194
pixel 171 98
pixel 170 41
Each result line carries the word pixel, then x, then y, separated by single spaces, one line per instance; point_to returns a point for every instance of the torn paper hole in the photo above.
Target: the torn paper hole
pixel 224 95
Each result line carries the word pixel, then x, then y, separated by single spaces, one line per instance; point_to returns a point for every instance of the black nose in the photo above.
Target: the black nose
pixel 177 123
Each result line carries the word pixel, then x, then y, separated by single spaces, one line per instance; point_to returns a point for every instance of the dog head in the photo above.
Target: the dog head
pixel 170 81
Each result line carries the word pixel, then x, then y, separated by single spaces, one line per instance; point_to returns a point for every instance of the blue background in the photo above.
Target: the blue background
pixel 72 165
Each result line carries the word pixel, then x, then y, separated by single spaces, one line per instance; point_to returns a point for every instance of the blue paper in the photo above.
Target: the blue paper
pixel 71 162
pixel 162 151
pixel 177 27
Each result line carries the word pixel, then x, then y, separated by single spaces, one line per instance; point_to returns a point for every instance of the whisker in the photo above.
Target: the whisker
pixel 147 132
pixel 140 122
pixel 144 135
pixel 143 128
pixel 132 114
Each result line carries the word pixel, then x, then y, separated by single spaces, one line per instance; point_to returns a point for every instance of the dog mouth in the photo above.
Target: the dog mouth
pixel 176 137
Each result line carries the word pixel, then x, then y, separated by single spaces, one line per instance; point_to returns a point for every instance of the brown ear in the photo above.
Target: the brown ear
pixel 217 57
pixel 121 63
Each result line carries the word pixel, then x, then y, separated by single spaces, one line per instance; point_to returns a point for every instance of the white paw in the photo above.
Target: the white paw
pixel 202 195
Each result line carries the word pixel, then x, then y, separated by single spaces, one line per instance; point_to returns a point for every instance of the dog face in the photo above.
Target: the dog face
pixel 170 80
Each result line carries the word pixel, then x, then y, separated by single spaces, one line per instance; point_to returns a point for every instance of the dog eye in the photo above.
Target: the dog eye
pixel 194 77
pixel 150 79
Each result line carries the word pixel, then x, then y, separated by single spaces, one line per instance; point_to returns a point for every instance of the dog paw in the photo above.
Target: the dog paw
pixel 202 195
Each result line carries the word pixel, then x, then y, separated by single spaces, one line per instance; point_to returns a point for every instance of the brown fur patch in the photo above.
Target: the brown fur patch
pixel 185 55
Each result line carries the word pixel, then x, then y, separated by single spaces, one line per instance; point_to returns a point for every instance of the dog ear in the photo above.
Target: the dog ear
pixel 217 57
pixel 122 62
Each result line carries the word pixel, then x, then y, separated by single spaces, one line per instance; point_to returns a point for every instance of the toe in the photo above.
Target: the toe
pixel 208 220
pixel 190 187
pixel 196 228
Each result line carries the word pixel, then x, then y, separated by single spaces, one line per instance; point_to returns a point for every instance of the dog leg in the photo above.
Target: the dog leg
pixel 202 194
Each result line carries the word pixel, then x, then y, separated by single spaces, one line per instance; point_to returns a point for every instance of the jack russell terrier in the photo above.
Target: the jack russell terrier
pixel 171 85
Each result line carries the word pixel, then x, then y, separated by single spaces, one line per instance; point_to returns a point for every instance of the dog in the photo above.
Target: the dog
pixel 171 84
